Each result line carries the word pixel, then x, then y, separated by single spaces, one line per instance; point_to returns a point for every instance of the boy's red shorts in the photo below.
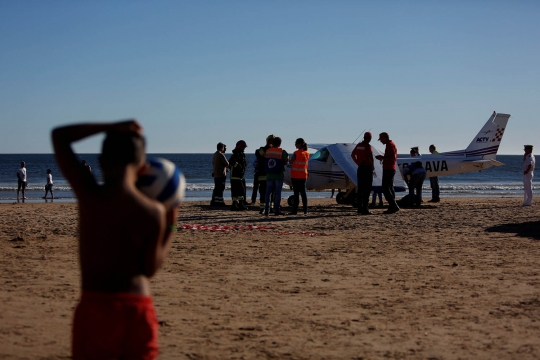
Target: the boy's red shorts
pixel 115 325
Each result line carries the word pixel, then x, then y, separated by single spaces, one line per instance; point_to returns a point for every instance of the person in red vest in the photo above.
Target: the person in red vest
pixel 389 165
pixel 363 157
pixel 275 160
pixel 299 175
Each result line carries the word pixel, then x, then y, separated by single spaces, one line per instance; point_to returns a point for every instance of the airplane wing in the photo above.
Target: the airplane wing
pixel 479 164
pixel 342 156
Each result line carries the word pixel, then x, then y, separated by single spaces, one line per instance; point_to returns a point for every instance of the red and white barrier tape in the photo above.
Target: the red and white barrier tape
pixel 229 228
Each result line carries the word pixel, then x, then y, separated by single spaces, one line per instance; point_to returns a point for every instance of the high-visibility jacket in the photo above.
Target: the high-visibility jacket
pixel 274 161
pixel 299 169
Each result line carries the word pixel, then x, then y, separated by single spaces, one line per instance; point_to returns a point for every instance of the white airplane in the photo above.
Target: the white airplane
pixel 332 167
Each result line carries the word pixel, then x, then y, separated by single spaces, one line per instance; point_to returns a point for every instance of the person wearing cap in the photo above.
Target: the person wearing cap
pixel 299 174
pixel 362 155
pixel 414 151
pixel 389 165
pixel 434 180
pixel 219 164
pixel 275 161
pixel 528 174
pixel 238 166
pixel 260 155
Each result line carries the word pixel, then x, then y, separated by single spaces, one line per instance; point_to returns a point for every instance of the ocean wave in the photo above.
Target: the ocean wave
pixel 482 187
pixel 35 188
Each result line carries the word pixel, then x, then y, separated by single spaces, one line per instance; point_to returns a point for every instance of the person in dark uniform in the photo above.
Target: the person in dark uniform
pixel 238 165
pixel 363 157
pixel 261 171
pixel 255 184
pixel 219 164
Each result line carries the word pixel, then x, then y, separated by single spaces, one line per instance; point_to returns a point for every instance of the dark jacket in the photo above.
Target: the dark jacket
pixel 238 164
pixel 260 154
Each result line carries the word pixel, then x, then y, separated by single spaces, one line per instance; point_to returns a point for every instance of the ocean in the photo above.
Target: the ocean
pixel 496 181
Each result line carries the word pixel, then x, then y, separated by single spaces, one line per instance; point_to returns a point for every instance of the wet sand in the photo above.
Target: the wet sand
pixel 455 280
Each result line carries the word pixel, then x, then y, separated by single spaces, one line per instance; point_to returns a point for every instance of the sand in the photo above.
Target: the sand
pixel 454 280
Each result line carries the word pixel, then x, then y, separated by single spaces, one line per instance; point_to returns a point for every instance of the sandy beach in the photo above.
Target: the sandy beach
pixel 455 280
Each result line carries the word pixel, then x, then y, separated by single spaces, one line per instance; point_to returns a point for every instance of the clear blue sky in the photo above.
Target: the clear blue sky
pixel 199 72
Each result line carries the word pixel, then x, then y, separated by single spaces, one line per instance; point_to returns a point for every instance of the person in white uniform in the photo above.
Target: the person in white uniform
pixel 528 174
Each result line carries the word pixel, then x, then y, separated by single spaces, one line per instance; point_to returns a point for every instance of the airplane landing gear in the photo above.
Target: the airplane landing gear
pixel 341 198
pixel 290 200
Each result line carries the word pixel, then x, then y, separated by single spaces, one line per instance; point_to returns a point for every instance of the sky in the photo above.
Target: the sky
pixel 195 73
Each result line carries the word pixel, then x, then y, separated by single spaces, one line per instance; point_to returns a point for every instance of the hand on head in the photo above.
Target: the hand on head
pixel 131 125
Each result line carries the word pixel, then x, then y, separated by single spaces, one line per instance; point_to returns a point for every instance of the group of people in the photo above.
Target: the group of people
pixel 414 175
pixel 269 165
pixel 22 182
pixel 363 157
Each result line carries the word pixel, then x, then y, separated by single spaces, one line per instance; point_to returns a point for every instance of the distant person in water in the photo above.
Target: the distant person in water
pixel 21 180
pixel 49 184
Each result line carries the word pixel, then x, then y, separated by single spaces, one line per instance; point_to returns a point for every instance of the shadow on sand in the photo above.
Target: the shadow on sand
pixel 530 229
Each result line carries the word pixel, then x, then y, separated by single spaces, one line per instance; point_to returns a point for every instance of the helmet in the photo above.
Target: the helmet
pixel 241 144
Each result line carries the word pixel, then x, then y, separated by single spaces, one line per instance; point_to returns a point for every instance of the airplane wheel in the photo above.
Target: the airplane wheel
pixel 290 200
pixel 341 199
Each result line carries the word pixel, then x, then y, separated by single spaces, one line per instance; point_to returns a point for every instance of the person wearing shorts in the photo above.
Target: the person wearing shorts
pixel 115 317
pixel 21 180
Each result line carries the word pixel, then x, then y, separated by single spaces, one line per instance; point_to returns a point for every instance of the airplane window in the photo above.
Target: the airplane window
pixel 321 155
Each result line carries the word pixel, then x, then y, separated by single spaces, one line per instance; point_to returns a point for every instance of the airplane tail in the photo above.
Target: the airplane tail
pixel 486 142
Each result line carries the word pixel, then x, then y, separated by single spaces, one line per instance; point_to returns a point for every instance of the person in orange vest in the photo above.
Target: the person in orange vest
pixel 299 175
pixel 363 157
pixel 275 160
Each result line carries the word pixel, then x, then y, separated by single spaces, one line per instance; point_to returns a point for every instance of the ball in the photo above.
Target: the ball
pixel 163 181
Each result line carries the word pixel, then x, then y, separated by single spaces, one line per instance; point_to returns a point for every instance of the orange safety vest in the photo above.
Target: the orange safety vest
pixel 299 169
pixel 274 161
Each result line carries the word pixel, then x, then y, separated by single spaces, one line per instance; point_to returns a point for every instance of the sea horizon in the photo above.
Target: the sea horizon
pixel 504 181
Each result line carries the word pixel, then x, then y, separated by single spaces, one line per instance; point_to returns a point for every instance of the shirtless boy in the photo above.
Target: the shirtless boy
pixel 124 238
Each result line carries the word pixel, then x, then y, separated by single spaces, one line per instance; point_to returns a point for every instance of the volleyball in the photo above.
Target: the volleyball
pixel 163 181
